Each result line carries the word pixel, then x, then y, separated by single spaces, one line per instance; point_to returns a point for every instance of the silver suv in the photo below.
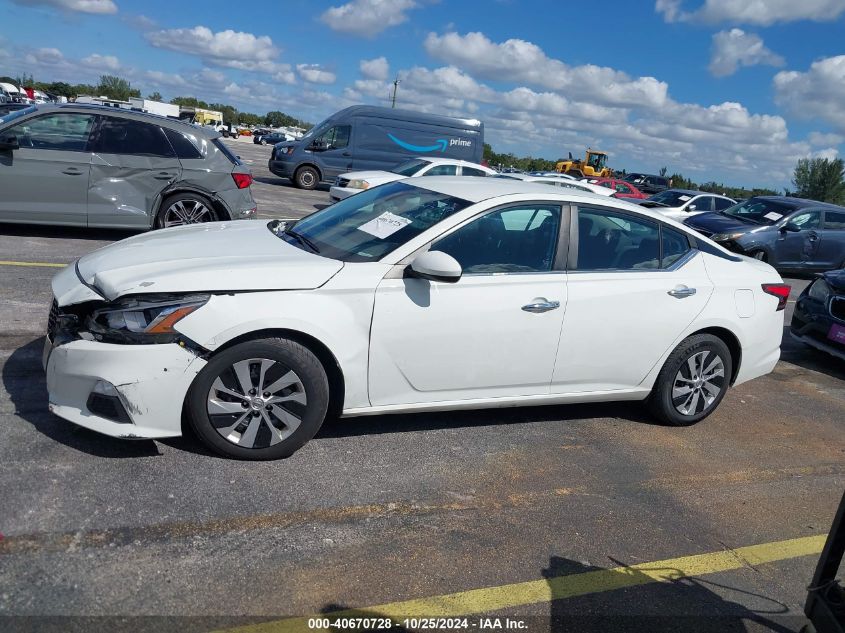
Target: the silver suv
pixel 96 166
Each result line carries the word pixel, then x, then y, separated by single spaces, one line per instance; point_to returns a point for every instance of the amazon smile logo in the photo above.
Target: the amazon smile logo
pixel 440 144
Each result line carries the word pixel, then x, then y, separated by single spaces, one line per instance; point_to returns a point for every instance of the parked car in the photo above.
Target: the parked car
pixel 356 181
pixel 792 234
pixel 683 203
pixel 552 174
pixel 107 167
pixel 566 183
pixel 269 138
pixel 649 183
pixel 365 138
pixel 425 294
pixel 819 316
pixel 624 190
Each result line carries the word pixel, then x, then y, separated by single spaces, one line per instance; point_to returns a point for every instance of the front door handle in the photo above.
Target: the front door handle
pixel 162 175
pixel 72 171
pixel 541 304
pixel 346 154
pixel 681 292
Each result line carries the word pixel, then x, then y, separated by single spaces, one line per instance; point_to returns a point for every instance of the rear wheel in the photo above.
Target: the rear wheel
pixel 693 381
pixel 306 178
pixel 261 399
pixel 185 208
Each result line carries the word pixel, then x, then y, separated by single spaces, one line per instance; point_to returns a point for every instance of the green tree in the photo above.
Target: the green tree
pixel 189 102
pixel 247 118
pixel 116 88
pixel 230 113
pixel 820 179
pixel 156 96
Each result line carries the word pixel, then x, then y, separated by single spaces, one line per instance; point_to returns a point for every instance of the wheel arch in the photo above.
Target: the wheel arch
pixel 177 188
pixel 732 342
pixel 313 166
pixel 334 373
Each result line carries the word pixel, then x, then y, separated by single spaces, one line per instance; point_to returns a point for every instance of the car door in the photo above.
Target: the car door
pixel 333 151
pixel 133 163
pixel 45 180
pixel 831 248
pixel 494 333
pixel 634 285
pixel 797 249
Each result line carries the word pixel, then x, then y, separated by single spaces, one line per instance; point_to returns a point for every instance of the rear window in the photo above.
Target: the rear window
pixel 226 151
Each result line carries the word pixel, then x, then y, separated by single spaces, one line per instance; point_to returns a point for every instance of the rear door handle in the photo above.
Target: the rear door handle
pixel 541 304
pixel 72 171
pixel 681 292
pixel 163 175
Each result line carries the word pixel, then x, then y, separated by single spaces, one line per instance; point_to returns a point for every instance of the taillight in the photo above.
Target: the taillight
pixel 781 291
pixel 242 181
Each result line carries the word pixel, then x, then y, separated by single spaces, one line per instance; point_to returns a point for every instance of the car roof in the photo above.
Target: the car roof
pixel 437 160
pixel 798 203
pixel 692 192
pixel 129 114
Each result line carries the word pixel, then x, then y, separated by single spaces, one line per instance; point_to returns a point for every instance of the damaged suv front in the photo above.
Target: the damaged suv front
pixel 91 379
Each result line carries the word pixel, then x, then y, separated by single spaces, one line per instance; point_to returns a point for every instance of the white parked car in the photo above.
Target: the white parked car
pixel 419 295
pixel 564 182
pixel 679 204
pixel 353 182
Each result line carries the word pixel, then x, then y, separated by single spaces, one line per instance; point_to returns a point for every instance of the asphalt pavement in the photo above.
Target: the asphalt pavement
pixel 581 517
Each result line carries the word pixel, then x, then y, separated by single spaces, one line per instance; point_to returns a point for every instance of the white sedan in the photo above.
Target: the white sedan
pixel 679 204
pixel 421 295
pixel 353 182
pixel 561 180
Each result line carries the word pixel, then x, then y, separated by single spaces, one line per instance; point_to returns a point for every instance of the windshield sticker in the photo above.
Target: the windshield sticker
pixel 684 198
pixel 384 225
pixel 774 217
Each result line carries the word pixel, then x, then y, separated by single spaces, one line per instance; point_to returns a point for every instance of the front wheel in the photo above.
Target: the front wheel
pixel 306 178
pixel 261 399
pixel 693 381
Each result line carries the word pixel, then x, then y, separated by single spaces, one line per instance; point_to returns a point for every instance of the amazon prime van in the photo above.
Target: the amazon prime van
pixel 370 137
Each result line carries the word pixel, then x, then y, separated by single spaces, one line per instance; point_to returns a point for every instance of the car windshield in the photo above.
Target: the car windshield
pixel 371 224
pixel 671 198
pixel 14 114
pixel 758 211
pixel 409 167
pixel 317 129
pixel 634 177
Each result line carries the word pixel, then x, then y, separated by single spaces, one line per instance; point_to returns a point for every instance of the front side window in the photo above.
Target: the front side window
pixel 336 137
pixel 442 170
pixel 834 220
pixel 66 132
pixel 514 240
pixel 127 136
pixel 702 203
pixel 621 187
pixel 373 223
pixel 610 241
pixel 807 220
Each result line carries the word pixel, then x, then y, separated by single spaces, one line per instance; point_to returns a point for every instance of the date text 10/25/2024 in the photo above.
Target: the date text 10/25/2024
pixel 418 624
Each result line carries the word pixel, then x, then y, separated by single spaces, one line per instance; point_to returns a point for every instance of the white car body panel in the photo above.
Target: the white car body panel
pixel 680 213
pixel 407 344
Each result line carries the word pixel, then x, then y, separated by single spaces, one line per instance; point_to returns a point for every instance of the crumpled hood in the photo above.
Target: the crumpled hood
pixel 374 176
pixel 217 256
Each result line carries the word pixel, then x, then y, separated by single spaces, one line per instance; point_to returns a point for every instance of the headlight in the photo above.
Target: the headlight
pixel 819 291
pixel 724 237
pixel 358 184
pixel 149 319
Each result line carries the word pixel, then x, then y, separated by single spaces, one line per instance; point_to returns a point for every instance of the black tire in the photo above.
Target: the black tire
pixel 289 356
pixel 193 203
pixel 661 402
pixel 575 173
pixel 306 178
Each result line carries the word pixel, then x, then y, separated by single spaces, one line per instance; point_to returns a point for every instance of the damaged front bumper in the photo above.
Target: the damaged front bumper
pixel 126 391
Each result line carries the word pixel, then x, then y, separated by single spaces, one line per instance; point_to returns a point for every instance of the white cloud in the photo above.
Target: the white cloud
pixel 314 74
pixel 367 18
pixel 519 60
pixel 735 48
pixel 377 68
pixel 102 62
pixel 221 48
pixel 758 12
pixel 81 6
pixel 817 93
pixel 820 139
pixel 46 56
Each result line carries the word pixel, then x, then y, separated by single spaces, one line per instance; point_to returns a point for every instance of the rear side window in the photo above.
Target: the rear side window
pixel 226 151
pixel 442 170
pixel 675 246
pixel 610 241
pixel 469 171
pixel 722 203
pixel 834 220
pixel 126 136
pixel 182 144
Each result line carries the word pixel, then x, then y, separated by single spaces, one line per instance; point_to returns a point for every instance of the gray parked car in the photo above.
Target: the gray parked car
pixel 792 234
pixel 96 166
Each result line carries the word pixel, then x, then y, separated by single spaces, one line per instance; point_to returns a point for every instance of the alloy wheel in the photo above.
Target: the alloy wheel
pixel 256 402
pixel 184 212
pixel 698 383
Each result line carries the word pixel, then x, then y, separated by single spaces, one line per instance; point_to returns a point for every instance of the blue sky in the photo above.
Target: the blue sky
pixel 729 90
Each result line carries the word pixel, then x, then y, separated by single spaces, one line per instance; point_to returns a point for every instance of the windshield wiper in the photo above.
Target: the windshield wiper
pixel 741 218
pixel 299 237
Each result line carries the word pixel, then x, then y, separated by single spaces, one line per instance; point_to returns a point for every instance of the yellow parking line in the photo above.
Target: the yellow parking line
pixel 33 264
pixel 490 599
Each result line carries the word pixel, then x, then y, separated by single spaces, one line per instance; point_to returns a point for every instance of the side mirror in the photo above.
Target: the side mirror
pixel 8 143
pixel 318 146
pixel 691 207
pixel 790 227
pixel 435 266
